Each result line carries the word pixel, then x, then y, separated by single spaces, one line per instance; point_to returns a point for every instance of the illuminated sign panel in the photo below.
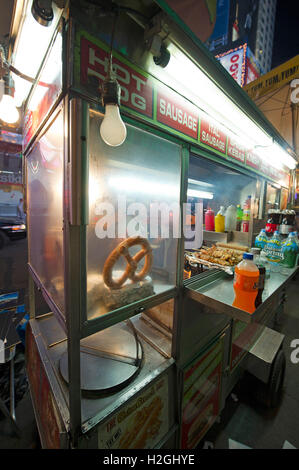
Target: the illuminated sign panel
pixel 162 106
pixel 235 63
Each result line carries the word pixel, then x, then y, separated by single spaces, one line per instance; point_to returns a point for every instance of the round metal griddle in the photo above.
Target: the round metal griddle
pixel 110 360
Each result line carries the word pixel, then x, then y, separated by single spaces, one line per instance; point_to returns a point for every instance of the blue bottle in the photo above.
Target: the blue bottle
pixel 261 239
pixel 273 250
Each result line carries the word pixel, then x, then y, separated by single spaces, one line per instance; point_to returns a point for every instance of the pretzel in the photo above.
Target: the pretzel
pixel 132 262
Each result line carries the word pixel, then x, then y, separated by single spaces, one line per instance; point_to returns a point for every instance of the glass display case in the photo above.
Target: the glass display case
pixel 133 191
pixel 45 210
pixel 229 206
pixel 128 186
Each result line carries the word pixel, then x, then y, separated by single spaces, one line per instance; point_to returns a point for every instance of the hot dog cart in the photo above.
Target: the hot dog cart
pixel 131 354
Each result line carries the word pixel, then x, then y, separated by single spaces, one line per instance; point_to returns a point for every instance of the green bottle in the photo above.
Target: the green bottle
pixel 290 250
pixel 239 217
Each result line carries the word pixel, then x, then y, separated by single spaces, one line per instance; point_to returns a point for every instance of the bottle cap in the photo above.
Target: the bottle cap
pixel 248 256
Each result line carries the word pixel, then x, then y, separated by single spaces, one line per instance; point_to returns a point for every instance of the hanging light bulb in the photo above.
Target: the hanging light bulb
pixel 112 130
pixel 8 110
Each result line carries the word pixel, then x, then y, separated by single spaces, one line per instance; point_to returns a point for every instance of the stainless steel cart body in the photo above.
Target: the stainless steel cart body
pixel 191 359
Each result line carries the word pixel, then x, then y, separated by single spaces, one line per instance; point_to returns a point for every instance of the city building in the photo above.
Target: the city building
pixel 249 22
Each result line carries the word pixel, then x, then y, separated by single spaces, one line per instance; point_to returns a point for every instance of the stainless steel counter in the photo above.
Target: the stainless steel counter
pixel 215 290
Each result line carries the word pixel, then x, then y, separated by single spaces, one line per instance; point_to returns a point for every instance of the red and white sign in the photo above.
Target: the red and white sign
pixel 177 114
pixel 252 72
pixel 234 62
pixel 212 136
pixel 253 160
pixel 235 150
pixel 136 91
pixel 172 110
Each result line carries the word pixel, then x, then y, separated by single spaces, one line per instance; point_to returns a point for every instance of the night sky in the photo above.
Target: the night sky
pixel 286 36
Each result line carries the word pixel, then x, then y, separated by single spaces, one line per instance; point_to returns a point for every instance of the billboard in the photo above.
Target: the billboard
pixel 234 61
pixel 252 69
pixel 275 93
pixel 219 36
pixel 240 64
pixel 207 19
pixel 243 22
pixel 274 79
pixel 223 25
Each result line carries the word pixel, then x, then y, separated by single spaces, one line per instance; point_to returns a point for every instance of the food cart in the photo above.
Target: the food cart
pixel 131 355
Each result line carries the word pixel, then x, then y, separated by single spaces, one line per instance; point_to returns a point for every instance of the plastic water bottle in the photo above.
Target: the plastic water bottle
pixel 290 250
pixel 261 239
pixel 273 250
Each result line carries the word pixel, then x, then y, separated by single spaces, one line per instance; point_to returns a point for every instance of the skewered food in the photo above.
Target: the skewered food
pixel 219 255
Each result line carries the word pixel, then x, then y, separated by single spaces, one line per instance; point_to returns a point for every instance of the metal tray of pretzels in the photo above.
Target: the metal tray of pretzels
pixel 216 257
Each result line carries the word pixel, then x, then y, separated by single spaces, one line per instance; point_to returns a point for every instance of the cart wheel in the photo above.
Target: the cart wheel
pixel 270 394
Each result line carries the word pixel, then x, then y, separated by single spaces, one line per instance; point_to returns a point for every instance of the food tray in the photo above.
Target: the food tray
pixel 194 260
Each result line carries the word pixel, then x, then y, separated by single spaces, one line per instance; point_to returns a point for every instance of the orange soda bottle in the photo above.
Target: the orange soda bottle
pixel 246 284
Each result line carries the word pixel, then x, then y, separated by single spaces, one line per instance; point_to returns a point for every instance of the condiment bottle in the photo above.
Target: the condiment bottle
pixel 210 220
pixel 220 220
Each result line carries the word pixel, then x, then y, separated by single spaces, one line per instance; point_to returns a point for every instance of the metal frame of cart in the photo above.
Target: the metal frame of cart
pixel 196 366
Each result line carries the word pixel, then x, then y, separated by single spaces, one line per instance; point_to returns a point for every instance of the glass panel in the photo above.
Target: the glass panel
pixel 284 199
pixel 126 186
pixel 45 214
pixel 272 198
pixel 46 91
pixel 222 205
pixel 162 314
